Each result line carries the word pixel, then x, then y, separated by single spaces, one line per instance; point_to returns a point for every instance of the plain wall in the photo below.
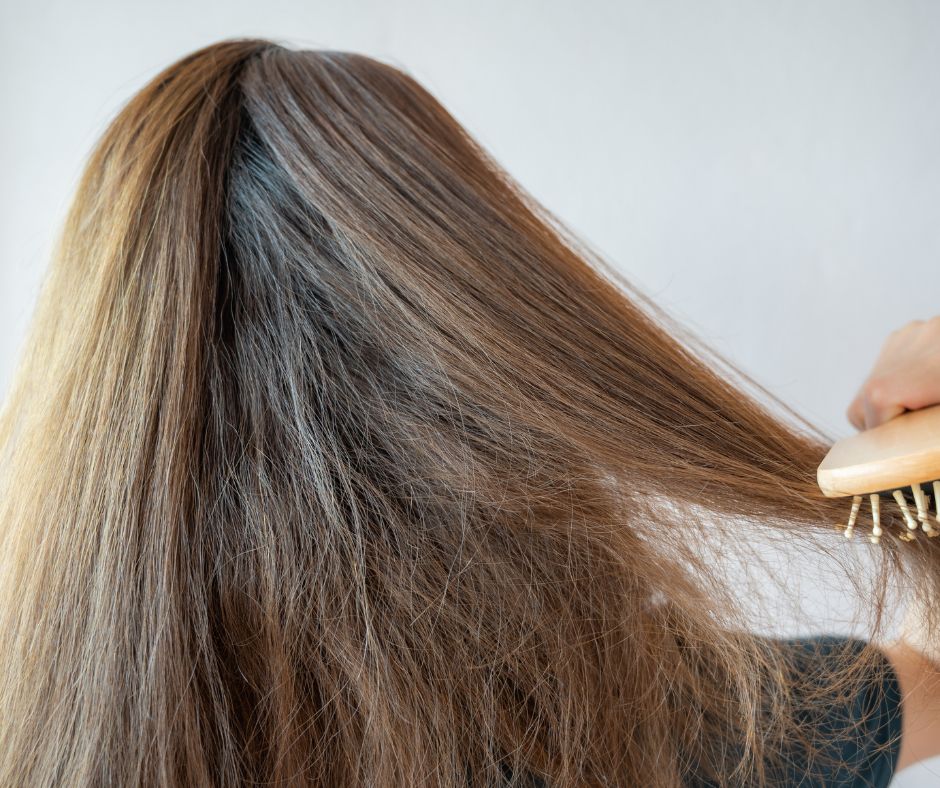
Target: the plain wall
pixel 767 170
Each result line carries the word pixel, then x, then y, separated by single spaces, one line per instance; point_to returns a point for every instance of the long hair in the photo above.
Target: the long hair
pixel 334 459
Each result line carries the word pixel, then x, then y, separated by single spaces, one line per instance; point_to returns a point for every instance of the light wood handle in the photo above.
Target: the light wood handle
pixel 898 453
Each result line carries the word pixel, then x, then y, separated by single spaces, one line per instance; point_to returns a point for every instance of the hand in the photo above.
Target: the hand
pixel 906 376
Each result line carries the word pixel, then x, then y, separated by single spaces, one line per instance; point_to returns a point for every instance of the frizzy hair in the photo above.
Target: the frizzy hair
pixel 334 459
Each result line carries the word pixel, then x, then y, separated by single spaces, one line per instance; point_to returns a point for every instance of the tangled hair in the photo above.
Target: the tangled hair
pixel 334 459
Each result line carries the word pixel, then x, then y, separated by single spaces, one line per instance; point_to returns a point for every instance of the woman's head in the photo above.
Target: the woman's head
pixel 334 457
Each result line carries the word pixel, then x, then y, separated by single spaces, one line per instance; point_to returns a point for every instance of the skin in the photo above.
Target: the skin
pixel 906 376
pixel 919 679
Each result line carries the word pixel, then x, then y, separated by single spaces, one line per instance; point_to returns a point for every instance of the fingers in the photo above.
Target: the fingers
pixel 856 413
pixel 877 401
pixel 906 376
pixel 881 406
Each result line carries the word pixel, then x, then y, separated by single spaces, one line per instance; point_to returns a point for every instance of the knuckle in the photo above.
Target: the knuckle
pixel 878 392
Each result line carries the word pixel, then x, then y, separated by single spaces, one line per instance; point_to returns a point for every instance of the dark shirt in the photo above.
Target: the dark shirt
pixel 848 735
pixel 857 731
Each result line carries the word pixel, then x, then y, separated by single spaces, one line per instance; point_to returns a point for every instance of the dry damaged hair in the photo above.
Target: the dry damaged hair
pixel 334 459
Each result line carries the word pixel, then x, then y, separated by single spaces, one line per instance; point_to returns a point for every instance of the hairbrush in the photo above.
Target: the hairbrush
pixel 889 463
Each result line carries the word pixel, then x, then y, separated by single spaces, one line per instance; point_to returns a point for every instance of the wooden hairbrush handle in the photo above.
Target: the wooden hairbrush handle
pixel 898 453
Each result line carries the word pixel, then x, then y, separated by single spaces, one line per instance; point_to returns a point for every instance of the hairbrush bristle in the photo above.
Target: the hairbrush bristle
pixel 922 521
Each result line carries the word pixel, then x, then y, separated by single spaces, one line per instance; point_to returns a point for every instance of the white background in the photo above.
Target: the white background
pixel 770 171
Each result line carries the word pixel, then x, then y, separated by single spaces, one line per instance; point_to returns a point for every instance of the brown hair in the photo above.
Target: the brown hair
pixel 335 459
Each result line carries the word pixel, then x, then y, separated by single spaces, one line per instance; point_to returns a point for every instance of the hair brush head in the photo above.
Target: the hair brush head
pixel 901 453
